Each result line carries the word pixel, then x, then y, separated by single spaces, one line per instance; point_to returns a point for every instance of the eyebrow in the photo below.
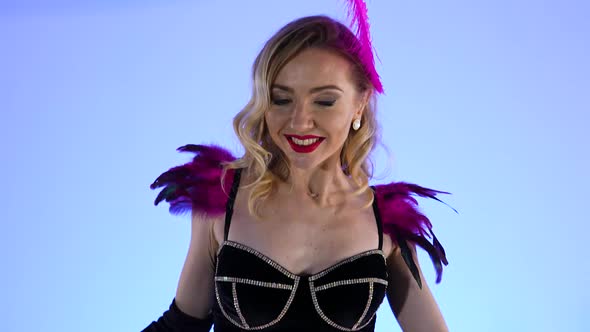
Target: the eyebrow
pixel 312 90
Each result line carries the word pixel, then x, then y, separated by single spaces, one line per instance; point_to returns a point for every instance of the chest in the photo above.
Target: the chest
pixel 303 238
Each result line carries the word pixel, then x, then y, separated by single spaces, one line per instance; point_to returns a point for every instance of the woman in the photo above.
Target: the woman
pixel 311 247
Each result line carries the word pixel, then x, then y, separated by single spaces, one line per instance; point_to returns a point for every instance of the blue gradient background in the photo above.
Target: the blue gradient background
pixel 486 99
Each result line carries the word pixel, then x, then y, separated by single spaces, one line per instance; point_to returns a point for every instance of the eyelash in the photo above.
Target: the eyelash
pixel 321 103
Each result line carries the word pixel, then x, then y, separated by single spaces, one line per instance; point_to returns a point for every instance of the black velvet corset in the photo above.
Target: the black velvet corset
pixel 255 293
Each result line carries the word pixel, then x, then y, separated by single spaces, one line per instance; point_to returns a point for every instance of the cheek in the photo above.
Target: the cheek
pixel 336 124
pixel 274 124
pixel 342 132
pixel 271 122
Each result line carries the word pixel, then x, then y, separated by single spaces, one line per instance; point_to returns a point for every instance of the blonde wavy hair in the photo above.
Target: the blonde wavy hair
pixel 263 160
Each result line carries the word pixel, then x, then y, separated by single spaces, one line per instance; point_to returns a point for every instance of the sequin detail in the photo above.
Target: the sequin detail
pixel 296 278
pixel 243 324
pixel 366 307
pixel 265 258
pixel 222 309
pixel 254 282
pixel 292 275
pixel 351 282
pixel 355 327
pixel 346 261
pixel 237 305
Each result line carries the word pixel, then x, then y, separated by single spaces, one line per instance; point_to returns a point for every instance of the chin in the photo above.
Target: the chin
pixel 306 161
pixel 301 161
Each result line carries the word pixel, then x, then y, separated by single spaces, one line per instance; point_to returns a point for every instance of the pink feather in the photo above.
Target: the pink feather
pixel 357 14
pixel 197 184
pixel 403 219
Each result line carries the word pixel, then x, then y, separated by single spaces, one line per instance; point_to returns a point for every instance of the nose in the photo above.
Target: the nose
pixel 301 118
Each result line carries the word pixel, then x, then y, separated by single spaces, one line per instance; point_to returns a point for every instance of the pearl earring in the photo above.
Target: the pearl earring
pixel 356 124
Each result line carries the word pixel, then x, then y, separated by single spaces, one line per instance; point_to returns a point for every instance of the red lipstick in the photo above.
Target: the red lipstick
pixel 304 148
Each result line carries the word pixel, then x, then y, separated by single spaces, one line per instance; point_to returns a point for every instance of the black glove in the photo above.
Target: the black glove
pixel 174 320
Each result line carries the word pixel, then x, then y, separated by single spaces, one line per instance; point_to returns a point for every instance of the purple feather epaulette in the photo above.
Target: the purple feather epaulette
pixel 402 219
pixel 197 184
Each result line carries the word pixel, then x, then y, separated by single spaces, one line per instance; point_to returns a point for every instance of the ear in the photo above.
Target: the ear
pixel 363 102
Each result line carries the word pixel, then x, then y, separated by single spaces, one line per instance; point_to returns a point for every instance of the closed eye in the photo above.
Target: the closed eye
pixel 326 103
pixel 280 101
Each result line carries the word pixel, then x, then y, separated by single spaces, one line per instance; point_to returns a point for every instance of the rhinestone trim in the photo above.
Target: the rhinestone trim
pixel 345 261
pixel 237 305
pixel 261 256
pixel 351 282
pixel 234 294
pixel 367 322
pixel 254 282
pixel 296 278
pixel 355 327
pixel 284 311
pixel 222 309
pixel 292 275
pixel 366 307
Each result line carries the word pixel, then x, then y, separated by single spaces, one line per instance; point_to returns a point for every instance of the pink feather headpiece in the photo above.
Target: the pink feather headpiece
pixel 359 24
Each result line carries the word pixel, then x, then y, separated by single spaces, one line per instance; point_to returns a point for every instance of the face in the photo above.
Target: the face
pixel 314 103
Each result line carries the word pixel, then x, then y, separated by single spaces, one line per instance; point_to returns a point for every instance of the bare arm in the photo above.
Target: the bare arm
pixel 191 308
pixel 195 291
pixel 416 309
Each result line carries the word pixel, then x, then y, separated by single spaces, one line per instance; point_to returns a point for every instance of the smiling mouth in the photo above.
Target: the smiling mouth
pixel 304 144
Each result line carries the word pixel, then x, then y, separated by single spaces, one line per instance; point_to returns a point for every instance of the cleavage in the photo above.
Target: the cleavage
pixel 288 272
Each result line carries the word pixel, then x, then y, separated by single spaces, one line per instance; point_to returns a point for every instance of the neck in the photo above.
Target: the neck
pixel 320 183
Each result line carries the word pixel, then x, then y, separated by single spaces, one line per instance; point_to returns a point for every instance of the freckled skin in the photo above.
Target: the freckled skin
pixel 302 115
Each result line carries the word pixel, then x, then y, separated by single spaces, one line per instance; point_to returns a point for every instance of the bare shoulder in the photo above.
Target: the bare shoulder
pixel 217 223
pixel 389 245
pixel 218 231
pixel 210 225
